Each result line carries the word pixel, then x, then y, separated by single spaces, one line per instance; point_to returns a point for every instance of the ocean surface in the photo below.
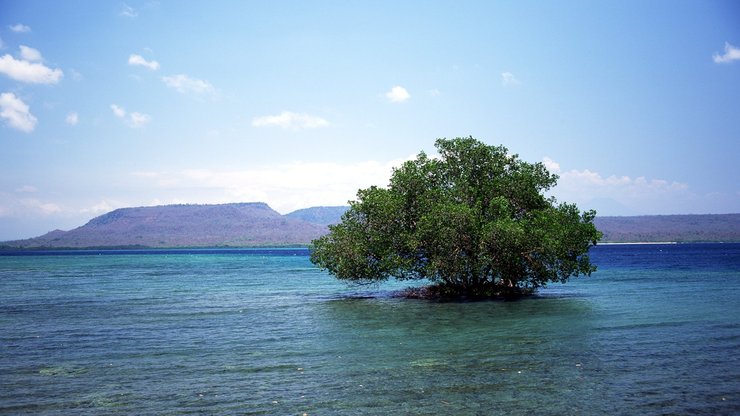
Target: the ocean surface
pixel 656 330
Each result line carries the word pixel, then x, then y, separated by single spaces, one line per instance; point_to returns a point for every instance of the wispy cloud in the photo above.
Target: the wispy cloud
pixel 134 119
pixel 285 187
pixel 128 11
pixel 397 94
pixel 102 207
pixel 26 189
pixel 72 119
pixel 25 70
pixel 16 113
pixel 19 28
pixel 118 111
pixel 139 60
pixel 137 119
pixel 30 54
pixel 732 53
pixel 290 120
pixel 75 75
pixel 639 195
pixel 508 79
pixel 44 208
pixel 187 85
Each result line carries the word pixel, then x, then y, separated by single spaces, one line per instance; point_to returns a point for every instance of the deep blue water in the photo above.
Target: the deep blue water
pixel 656 330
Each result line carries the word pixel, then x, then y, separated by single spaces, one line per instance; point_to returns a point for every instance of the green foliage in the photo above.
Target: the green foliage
pixel 474 222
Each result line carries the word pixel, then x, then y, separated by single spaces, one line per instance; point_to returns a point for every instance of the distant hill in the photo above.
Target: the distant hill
pixel 319 215
pixel 646 228
pixel 256 224
pixel 236 225
pixel 678 228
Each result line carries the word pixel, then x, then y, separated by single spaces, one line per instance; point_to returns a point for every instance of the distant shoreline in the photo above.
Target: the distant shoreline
pixel 651 243
pixel 11 251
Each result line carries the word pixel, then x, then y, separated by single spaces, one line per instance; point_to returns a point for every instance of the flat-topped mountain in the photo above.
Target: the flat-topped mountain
pixel 235 225
pixel 319 215
pixel 256 224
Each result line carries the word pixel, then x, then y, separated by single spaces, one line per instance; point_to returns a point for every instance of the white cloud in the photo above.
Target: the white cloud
pixel 290 120
pixel 620 194
pixel 102 207
pixel 16 113
pixel 139 60
pixel 397 94
pixel 30 54
pixel 732 53
pixel 72 119
pixel 551 165
pixel 128 11
pixel 595 179
pixel 508 79
pixel 20 28
pixel 41 207
pixel 28 213
pixel 118 111
pixel 137 120
pixel 134 119
pixel 25 70
pixel 185 84
pixel 284 187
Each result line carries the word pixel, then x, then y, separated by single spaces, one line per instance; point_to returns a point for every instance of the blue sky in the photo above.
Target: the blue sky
pixel 635 104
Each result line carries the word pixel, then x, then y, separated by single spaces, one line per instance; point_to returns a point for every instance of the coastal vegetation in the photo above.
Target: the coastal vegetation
pixel 474 222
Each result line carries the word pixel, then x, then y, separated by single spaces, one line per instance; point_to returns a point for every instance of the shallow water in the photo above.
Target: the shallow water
pixel 655 331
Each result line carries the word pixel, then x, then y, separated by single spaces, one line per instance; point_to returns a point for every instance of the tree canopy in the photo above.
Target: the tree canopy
pixel 474 222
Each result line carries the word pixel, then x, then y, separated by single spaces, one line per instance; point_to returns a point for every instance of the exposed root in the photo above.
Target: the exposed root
pixel 447 293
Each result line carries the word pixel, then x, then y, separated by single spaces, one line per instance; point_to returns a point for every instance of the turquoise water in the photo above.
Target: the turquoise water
pixel 655 331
